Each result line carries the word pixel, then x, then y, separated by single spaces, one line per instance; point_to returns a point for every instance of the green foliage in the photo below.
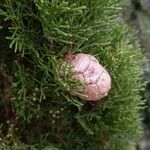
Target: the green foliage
pixel 40 33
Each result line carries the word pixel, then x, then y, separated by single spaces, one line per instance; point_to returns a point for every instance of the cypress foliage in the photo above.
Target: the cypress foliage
pixel 36 109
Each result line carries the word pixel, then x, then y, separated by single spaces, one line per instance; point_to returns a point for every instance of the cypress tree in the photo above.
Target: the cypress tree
pixel 36 110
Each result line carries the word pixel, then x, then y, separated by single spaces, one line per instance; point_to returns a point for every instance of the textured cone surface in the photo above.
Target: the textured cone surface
pixel 95 78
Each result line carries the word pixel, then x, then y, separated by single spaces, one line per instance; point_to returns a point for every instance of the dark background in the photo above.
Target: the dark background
pixel 138 15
